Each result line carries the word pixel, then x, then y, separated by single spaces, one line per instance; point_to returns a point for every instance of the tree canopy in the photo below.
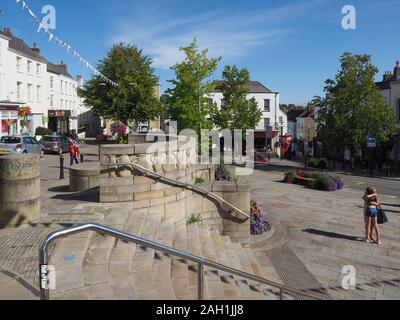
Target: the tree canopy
pixel 354 108
pixel 237 112
pixel 134 99
pixel 187 100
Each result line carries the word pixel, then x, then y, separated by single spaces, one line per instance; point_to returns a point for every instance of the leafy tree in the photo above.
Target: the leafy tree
pixel 134 99
pixel 354 108
pixel 238 112
pixel 187 100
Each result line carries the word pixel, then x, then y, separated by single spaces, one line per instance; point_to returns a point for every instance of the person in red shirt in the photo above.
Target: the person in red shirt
pixel 74 152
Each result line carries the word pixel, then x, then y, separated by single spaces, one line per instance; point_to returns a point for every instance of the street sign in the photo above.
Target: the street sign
pixel 371 141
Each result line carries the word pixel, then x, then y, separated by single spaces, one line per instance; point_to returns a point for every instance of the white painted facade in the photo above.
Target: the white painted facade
pixel 268 103
pixel 28 79
pixel 390 89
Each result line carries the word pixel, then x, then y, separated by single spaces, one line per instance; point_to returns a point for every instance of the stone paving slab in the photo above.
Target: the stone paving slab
pixel 325 230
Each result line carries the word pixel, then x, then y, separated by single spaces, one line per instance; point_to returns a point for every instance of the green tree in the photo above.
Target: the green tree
pixel 134 99
pixel 187 99
pixel 238 112
pixel 354 108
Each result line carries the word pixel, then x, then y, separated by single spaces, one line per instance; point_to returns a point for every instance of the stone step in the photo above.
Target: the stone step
pixel 193 247
pixel 120 262
pixel 143 259
pixel 180 268
pixel 229 287
pixel 162 262
pixel 212 281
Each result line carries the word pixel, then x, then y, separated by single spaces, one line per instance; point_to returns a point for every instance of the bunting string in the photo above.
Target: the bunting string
pixel 53 38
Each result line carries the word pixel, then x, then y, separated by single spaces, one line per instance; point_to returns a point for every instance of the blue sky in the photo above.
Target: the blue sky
pixel 290 46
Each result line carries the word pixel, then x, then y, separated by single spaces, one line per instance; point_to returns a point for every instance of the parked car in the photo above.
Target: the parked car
pixel 20 145
pixel 55 144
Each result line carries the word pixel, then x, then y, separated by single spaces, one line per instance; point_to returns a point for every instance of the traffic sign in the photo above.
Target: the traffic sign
pixel 371 141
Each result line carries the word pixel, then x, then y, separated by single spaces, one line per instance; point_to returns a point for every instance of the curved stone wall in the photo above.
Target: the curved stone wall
pixel 119 183
pixel 19 189
pixel 84 176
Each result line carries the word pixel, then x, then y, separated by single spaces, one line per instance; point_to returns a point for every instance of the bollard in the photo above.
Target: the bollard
pixel 82 158
pixel 61 167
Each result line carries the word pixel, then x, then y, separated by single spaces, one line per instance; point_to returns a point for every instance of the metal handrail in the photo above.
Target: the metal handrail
pixel 201 262
pixel 187 186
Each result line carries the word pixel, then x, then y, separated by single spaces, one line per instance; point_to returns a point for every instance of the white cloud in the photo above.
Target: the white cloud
pixel 226 32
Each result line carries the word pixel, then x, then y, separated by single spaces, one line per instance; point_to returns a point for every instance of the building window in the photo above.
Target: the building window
pixel 52 100
pixel 62 86
pixel 29 92
pixel 62 103
pixel 38 69
pixel 19 63
pixel 29 66
pixel 267 105
pixel 19 90
pixel 51 82
pixel 38 93
pixel 267 123
pixel 398 109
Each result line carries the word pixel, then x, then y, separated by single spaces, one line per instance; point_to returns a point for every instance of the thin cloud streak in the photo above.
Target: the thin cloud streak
pixel 223 31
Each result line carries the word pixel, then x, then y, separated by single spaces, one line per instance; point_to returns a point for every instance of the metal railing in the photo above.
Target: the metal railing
pixel 187 186
pixel 201 262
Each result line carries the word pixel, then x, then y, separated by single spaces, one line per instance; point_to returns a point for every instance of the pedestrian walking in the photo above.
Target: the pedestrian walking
pixel 371 206
pixel 74 152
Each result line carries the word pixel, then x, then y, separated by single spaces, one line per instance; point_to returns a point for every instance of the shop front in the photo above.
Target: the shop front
pixel 59 121
pixel 9 120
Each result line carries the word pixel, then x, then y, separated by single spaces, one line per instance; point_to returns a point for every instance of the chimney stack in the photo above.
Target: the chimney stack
pixel 397 71
pixel 35 48
pixel 7 31
pixel 388 76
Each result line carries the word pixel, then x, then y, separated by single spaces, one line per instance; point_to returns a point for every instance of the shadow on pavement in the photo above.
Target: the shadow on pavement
pixel 92 195
pixel 332 235
pixel 59 189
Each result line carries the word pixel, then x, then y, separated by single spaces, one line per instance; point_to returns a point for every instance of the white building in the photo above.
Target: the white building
pixel 28 79
pixel 390 89
pixel 274 121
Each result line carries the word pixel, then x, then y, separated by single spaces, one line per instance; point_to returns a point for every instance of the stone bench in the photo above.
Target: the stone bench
pixel 84 176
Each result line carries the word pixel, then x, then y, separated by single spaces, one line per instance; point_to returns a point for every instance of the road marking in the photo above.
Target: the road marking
pixel 358 182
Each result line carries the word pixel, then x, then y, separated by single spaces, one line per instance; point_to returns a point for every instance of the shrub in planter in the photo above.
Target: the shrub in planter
pixel 312 162
pixel 290 177
pixel 222 174
pixel 323 182
pixel 323 163
pixel 336 185
pixel 40 131
pixel 258 223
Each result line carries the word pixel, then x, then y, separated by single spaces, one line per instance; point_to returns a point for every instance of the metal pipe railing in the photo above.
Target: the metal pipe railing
pixel 183 185
pixel 201 262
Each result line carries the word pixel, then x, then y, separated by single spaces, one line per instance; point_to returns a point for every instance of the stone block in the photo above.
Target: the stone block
pixel 164 200
pixel 77 183
pixel 172 191
pixel 157 210
pixel 224 187
pixel 116 150
pixel 116 181
pixel 148 195
pixel 159 186
pixel 140 204
pixel 134 188
pixel 176 210
pixel 142 180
